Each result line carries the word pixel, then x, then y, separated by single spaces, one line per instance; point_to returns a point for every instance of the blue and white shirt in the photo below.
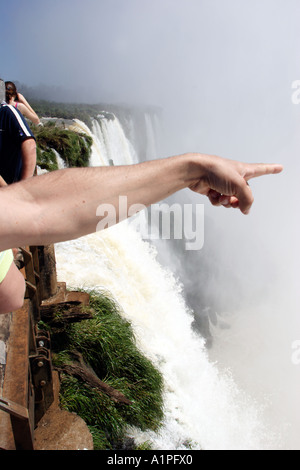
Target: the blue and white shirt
pixel 13 131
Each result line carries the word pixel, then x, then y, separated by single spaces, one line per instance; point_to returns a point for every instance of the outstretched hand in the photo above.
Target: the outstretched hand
pixel 225 182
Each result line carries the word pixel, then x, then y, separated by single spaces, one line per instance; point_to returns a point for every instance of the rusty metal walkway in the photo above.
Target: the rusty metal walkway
pixel 26 382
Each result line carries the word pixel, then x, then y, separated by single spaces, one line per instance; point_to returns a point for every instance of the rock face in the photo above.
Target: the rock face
pixel 61 430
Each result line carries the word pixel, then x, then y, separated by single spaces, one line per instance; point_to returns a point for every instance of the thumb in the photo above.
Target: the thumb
pixel 254 170
pixel 245 197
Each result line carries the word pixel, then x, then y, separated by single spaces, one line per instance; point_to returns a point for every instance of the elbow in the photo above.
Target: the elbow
pixel 13 304
pixel 12 291
pixel 18 300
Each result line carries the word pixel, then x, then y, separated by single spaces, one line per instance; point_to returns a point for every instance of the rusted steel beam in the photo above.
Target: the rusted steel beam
pixel 47 269
pixel 14 409
pixel 42 377
pixel 32 276
pixel 16 386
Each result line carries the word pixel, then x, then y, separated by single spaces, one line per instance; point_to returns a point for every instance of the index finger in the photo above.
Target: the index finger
pixel 253 170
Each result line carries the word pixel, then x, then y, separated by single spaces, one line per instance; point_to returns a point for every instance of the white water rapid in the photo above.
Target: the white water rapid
pixel 204 407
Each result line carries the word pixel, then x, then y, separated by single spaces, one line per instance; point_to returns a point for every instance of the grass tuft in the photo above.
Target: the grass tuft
pixel 107 344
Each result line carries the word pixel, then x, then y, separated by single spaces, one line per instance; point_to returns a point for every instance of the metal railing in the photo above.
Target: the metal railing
pixel 27 391
pixel 27 386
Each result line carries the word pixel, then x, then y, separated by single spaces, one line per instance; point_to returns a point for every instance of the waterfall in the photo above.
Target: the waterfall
pixel 110 144
pixel 114 145
pixel 151 137
pixel 60 162
pixel 204 408
pixel 98 155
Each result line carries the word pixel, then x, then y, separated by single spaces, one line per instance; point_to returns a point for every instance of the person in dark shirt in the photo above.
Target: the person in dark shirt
pixel 17 143
pixel 17 162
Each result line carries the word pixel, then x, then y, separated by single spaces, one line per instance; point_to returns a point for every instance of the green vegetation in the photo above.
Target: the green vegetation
pixel 83 112
pixel 74 148
pixel 107 345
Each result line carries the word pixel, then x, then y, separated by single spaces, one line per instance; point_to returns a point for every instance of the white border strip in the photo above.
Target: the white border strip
pixel 20 121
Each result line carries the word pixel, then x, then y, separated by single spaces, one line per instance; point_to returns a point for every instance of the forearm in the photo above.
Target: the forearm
pixel 22 99
pixel 62 205
pixel 28 158
pixel 32 116
pixel 65 204
pixel 28 113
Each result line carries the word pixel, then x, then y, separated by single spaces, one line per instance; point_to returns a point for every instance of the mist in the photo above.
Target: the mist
pixel 222 73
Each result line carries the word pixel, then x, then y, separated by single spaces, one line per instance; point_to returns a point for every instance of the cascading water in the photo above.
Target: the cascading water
pixel 98 156
pixel 114 145
pixel 204 409
pixel 201 406
pixel 110 145
pixel 60 162
pixel 151 151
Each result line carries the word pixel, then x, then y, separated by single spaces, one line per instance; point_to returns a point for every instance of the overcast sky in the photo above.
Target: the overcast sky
pixel 151 50
pixel 212 61
pixel 222 70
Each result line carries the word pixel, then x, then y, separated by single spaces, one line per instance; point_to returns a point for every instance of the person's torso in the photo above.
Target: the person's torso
pixel 13 131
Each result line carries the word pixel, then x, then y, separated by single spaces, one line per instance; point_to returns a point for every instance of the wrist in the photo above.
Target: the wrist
pixel 196 166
